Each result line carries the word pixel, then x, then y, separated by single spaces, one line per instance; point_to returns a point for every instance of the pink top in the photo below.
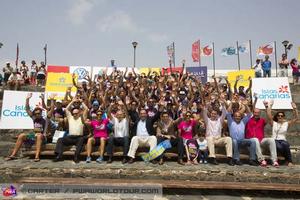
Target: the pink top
pixel 295 67
pixel 255 128
pixel 187 129
pixel 100 128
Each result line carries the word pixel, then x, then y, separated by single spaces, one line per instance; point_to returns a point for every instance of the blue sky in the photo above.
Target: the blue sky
pixel 92 32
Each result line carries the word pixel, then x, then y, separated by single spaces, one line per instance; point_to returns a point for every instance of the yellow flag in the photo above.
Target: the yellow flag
pixel 244 76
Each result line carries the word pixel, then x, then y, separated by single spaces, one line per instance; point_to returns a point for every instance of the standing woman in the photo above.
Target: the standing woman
pixel 41 75
pixel 279 130
pixel 296 72
pixel 100 132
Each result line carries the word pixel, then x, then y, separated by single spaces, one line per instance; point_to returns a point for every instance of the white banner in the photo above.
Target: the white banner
pixel 81 72
pixel 109 70
pixel 14 115
pixel 276 89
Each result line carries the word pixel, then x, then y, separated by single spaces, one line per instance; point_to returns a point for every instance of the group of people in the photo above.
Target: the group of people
pixel 263 68
pixel 142 110
pixel 14 78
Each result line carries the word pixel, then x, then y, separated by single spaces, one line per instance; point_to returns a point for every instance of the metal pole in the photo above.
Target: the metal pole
pixel 250 49
pixel 238 54
pixel 45 52
pixel 174 54
pixel 214 63
pixel 134 57
pixel 275 57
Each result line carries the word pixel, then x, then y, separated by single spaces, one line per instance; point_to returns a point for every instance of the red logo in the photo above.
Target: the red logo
pixel 9 191
pixel 283 89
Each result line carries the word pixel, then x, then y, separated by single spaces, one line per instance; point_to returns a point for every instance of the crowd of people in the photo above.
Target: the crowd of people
pixel 263 68
pixel 142 110
pixel 14 78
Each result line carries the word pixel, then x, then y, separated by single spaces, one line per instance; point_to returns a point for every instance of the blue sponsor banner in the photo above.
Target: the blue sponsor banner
pixel 198 72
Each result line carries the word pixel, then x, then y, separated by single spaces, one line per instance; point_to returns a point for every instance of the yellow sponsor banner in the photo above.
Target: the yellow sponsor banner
pixel 59 82
pixel 298 54
pixel 146 70
pixel 243 77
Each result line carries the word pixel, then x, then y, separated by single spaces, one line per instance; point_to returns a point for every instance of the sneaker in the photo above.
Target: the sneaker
pixel 230 162
pixel 253 163
pixel 201 161
pixel 205 161
pixel 238 162
pixel 275 164
pixel 263 163
pixel 109 160
pixel 88 159
pixel 99 160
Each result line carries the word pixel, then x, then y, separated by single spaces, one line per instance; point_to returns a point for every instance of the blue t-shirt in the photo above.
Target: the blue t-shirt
pixel 266 65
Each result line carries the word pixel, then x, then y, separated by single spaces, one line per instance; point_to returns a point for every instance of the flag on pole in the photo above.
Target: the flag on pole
pixel 228 51
pixel 196 51
pixel 207 50
pixel 171 52
pixel 244 47
pixel 17 56
pixel 45 53
pixel 266 49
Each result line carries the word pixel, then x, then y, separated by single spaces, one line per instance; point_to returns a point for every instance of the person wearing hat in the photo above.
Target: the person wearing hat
pixel 7 72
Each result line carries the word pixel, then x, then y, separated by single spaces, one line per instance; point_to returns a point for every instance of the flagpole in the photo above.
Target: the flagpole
pixel 250 49
pixel 174 54
pixel 214 63
pixel 45 52
pixel 275 57
pixel 17 56
pixel 199 54
pixel 238 54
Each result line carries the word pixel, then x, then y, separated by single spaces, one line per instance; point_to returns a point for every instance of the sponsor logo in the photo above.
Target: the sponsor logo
pixel 81 72
pixel 281 93
pixel 9 191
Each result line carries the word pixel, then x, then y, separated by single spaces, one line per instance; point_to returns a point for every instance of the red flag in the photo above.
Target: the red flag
pixel 207 50
pixel 267 49
pixel 196 51
pixel 17 57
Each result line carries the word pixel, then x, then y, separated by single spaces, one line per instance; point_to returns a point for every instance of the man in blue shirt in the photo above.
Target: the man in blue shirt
pixel 266 67
pixel 236 125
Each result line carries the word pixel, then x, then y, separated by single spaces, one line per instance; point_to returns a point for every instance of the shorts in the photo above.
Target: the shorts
pixel 98 140
pixel 31 138
pixel 41 76
pixel 296 74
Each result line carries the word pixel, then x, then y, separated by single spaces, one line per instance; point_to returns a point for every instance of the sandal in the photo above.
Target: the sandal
pixel 10 158
pixel 36 160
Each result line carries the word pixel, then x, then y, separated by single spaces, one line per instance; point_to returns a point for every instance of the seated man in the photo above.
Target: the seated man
pixel 144 133
pixel 38 135
pixel 76 120
pixel 15 81
pixel 237 133
pixel 213 134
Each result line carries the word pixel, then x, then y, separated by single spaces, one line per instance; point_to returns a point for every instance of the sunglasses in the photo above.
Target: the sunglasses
pixel 37 113
pixel 280 115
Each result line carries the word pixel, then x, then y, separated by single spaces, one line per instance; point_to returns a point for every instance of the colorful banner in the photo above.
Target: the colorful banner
pixel 146 70
pixel 81 72
pixel 171 52
pixel 58 69
pixel 157 151
pixel 267 49
pixel 199 72
pixel 58 83
pixel 196 51
pixel 276 89
pixel 13 114
pixel 243 76
pixel 207 50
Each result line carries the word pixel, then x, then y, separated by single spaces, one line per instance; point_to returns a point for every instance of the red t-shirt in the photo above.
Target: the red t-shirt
pixel 100 128
pixel 255 128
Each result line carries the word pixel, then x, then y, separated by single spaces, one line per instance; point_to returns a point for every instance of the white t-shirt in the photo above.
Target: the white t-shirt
pixel 213 128
pixel 16 77
pixel 121 128
pixel 202 145
pixel 75 126
pixel 141 129
pixel 279 130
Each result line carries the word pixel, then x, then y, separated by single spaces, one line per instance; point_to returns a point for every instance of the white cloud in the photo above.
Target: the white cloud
pixel 119 20
pixel 79 10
